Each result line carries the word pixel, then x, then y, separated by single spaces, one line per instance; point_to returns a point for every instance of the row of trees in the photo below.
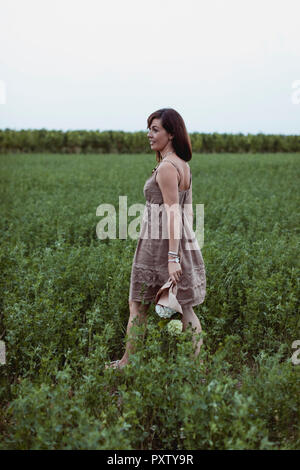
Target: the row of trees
pixel 83 141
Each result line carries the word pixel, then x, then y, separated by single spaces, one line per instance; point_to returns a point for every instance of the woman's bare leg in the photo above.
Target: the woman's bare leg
pixel 138 315
pixel 190 318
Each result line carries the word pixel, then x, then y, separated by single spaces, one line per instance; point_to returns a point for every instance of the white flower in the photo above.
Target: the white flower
pixel 164 312
pixel 174 327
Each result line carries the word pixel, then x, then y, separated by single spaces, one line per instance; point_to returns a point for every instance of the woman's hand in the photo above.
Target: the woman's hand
pixel 175 271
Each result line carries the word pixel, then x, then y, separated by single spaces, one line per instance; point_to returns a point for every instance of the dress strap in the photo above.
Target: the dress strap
pixel 166 160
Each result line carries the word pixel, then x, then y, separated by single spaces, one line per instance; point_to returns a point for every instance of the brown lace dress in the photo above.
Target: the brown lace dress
pixel 150 263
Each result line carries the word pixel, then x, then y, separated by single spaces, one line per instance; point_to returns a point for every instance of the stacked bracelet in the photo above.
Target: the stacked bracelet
pixel 175 256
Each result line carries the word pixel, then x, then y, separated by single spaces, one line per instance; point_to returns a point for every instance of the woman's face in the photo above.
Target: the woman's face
pixel 158 136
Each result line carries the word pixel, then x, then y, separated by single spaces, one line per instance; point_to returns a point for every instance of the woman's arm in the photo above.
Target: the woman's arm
pixel 167 181
pixel 188 212
pixel 168 184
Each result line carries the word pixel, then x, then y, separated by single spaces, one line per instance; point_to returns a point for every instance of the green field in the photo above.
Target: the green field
pixel 64 310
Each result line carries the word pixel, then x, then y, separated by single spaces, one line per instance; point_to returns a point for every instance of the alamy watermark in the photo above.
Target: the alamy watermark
pixel 295 359
pixel 2 353
pixel 2 92
pixel 296 94
pixel 154 221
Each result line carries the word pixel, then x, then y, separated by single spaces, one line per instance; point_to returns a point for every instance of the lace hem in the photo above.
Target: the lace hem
pixel 192 295
pixel 152 277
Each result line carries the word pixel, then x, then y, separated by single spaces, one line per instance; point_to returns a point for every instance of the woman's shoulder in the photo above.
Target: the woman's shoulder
pixel 183 170
pixel 177 161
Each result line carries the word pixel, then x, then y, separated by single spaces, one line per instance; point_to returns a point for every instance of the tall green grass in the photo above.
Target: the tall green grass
pixel 64 310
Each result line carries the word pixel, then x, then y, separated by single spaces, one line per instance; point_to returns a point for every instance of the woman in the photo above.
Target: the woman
pixel 156 259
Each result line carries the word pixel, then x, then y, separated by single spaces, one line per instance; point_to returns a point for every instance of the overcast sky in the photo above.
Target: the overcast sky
pixel 225 66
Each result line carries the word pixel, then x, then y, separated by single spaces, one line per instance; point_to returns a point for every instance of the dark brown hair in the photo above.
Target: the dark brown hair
pixel 174 124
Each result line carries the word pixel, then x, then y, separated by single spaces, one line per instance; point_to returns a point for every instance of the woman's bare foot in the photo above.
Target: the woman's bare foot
pixel 138 315
pixel 119 364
